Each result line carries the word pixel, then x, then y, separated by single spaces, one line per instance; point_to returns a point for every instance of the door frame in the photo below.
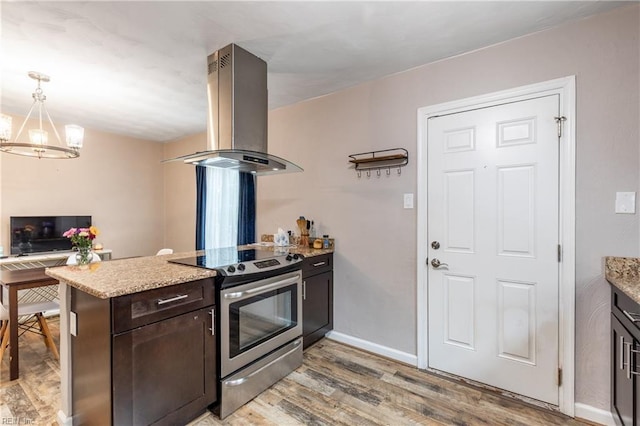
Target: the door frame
pixel 566 89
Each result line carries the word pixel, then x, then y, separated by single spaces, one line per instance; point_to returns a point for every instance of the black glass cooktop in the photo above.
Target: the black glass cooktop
pixel 218 258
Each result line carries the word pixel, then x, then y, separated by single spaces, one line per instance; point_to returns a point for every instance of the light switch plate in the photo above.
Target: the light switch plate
pixel 626 202
pixel 73 323
pixel 408 201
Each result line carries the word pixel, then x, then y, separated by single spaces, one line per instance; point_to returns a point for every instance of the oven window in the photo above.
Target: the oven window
pixel 259 318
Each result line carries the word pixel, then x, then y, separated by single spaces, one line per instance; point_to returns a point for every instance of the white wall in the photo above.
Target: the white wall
pixel 180 194
pixel 375 282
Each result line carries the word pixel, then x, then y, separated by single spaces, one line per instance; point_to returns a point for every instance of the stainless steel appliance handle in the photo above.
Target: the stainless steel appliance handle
pixel 621 352
pixel 304 290
pixel 632 351
pixel 239 294
pixel 173 299
pixel 241 380
pixel 633 317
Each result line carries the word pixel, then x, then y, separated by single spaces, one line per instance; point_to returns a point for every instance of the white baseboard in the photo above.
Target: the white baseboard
pixel 593 414
pixel 63 420
pixel 375 348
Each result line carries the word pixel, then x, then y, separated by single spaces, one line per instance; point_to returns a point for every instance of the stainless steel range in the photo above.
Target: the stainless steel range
pixel 259 329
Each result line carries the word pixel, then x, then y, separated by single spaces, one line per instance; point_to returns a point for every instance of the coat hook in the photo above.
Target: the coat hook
pixel 388 171
pixel 378 172
pixel 359 173
pixel 399 171
pixel 368 173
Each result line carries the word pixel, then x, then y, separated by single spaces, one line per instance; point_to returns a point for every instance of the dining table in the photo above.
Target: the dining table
pixel 15 281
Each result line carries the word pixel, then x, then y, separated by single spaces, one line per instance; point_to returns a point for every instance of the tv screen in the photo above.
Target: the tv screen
pixel 39 234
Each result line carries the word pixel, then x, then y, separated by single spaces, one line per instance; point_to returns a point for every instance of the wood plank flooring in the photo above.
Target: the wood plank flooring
pixel 337 385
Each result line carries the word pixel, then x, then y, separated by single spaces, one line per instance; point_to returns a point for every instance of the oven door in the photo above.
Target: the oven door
pixel 258 318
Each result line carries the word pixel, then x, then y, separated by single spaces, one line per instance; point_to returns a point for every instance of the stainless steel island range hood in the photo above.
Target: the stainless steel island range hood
pixel 237 117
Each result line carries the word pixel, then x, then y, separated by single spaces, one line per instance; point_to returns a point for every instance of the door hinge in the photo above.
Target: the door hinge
pixel 559 253
pixel 559 121
pixel 559 376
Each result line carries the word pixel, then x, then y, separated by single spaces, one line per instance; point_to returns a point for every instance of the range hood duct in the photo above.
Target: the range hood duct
pixel 237 116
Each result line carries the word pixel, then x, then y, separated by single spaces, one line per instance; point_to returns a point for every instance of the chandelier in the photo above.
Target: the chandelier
pixel 39 144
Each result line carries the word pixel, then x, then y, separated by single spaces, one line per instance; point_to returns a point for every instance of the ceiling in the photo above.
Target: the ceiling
pixel 139 68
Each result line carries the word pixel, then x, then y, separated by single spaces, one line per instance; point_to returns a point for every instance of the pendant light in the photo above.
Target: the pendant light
pixel 39 144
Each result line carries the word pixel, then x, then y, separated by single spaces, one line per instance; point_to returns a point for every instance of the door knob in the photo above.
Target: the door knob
pixel 435 245
pixel 436 263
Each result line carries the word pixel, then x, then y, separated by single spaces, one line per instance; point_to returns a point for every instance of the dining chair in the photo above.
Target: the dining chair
pixel 34 312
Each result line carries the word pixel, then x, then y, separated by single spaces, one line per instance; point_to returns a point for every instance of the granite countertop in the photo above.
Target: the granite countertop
pixel 624 273
pixel 305 251
pixel 126 276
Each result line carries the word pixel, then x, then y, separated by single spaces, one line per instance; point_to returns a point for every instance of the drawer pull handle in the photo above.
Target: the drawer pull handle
pixel 621 353
pixel 633 317
pixel 173 299
pixel 315 265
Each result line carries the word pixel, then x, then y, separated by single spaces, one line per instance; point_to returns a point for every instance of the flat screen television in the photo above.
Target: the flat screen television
pixel 40 234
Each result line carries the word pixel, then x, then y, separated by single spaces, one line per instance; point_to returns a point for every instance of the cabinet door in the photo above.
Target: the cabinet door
pixel 164 373
pixel 622 397
pixel 317 307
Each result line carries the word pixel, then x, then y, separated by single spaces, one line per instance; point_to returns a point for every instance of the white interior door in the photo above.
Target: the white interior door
pixel 493 223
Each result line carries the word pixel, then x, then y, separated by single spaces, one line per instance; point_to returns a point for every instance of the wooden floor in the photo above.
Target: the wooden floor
pixel 337 385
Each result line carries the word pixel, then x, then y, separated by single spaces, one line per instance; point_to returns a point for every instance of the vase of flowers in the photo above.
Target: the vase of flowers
pixel 82 238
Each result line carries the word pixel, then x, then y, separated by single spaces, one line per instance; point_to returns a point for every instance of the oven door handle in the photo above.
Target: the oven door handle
pixel 239 294
pixel 241 380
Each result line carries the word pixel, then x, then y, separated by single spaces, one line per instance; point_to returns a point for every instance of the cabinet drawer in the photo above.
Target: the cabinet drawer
pixel 317 264
pixel 138 309
pixel 627 310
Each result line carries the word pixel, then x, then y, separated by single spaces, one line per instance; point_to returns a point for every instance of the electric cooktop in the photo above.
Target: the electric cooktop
pixel 231 262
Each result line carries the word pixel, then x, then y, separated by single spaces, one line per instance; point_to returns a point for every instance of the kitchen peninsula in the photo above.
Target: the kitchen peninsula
pixel 140 337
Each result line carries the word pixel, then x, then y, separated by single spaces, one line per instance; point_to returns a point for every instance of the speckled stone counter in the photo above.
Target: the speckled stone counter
pixel 624 273
pixel 305 251
pixel 126 276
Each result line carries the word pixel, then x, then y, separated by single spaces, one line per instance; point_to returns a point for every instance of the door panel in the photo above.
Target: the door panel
pixel 493 205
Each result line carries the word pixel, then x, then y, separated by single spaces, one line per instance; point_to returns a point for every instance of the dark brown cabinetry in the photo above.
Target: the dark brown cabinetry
pixel 625 347
pixel 145 358
pixel 317 295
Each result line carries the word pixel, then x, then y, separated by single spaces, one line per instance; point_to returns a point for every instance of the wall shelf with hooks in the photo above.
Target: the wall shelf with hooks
pixel 378 160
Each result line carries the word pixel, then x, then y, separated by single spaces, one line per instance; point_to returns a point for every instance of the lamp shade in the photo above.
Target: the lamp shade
pixel 38 136
pixel 74 135
pixel 5 127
